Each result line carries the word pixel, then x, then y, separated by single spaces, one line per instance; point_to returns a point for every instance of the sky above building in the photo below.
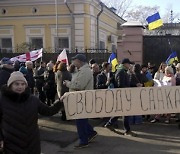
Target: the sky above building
pixel 163 4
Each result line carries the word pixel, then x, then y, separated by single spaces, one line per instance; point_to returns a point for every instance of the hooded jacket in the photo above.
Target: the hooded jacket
pixel 19 121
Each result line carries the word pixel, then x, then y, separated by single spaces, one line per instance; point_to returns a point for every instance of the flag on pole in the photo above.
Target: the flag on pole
pixel 154 21
pixel 113 60
pixel 29 56
pixel 172 57
pixel 63 57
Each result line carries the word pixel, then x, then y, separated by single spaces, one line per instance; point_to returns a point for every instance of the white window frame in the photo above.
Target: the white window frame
pixel 67 34
pixel 35 35
pixel 103 37
pixel 8 35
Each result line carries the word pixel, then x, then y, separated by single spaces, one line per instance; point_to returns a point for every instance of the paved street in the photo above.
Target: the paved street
pixel 59 138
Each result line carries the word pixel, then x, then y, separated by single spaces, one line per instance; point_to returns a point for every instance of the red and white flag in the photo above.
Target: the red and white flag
pixel 29 56
pixel 63 57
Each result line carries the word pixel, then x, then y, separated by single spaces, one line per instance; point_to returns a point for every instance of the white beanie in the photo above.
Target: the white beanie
pixel 170 69
pixel 16 76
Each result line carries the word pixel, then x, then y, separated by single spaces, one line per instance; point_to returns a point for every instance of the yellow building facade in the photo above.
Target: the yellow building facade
pixel 75 25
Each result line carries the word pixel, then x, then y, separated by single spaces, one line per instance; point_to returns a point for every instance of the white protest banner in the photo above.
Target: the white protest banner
pixel 122 102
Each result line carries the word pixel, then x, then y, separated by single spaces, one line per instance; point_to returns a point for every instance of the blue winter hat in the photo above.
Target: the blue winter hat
pixel 6 60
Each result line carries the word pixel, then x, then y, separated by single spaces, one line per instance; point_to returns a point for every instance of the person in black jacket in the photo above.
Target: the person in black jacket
pixel 122 81
pixel 39 77
pixel 96 71
pixel 30 76
pixel 49 84
pixel 5 71
pixel 19 132
pixel 105 79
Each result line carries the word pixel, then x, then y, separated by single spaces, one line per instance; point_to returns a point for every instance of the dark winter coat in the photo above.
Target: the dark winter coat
pixel 60 77
pixel 102 79
pixel 50 85
pixel 4 75
pixel 19 121
pixel 122 77
pixel 30 78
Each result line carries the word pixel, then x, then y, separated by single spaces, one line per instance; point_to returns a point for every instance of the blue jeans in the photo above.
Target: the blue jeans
pixel 84 130
pixel 125 122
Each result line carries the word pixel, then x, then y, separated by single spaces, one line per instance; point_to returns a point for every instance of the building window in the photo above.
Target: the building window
pixel 62 43
pixel 102 45
pixel 5 45
pixel 36 42
pixel 113 48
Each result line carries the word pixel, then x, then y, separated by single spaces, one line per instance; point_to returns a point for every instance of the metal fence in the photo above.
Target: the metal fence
pixel 98 57
pixel 156 49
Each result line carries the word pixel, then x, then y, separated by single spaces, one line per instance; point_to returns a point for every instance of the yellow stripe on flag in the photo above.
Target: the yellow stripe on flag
pixel 114 63
pixel 155 24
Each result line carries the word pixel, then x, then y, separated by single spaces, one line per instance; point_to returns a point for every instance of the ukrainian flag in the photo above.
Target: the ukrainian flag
pixel 172 57
pixel 113 60
pixel 154 21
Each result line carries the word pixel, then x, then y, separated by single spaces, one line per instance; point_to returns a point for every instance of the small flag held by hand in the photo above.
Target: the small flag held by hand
pixel 63 57
pixel 154 21
pixel 113 60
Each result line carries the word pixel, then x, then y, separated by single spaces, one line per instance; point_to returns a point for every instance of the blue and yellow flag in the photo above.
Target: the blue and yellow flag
pixel 154 21
pixel 113 60
pixel 172 57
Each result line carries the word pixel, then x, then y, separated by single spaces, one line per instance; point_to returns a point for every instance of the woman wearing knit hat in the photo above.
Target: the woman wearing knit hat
pixel 19 132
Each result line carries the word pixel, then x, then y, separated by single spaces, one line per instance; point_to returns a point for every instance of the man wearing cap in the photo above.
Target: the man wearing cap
pixel 6 69
pixel 82 80
pixel 122 81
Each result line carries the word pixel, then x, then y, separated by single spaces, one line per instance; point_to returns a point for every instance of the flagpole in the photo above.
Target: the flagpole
pixel 56 10
pixel 170 46
pixel 42 55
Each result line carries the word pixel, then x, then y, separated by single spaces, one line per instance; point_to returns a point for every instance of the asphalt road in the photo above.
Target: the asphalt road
pixel 58 137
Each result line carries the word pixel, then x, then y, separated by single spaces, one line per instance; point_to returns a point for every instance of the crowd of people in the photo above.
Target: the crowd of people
pixel 32 87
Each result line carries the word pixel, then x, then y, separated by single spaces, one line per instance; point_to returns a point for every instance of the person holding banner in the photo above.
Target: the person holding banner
pixel 168 80
pixel 177 77
pixel 61 75
pixel 19 109
pixel 82 80
pixel 161 72
pixel 122 81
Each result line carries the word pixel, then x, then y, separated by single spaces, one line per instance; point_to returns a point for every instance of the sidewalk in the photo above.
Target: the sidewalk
pixel 60 137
